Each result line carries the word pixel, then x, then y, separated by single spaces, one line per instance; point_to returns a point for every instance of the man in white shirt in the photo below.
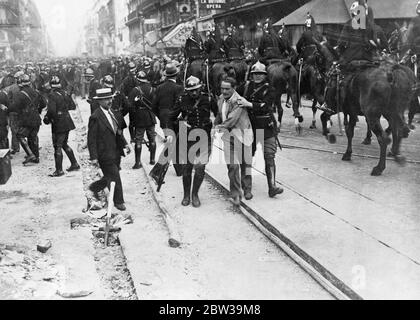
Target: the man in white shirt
pixel 237 137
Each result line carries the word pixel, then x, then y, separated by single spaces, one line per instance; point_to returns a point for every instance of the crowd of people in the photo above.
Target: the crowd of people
pixel 147 89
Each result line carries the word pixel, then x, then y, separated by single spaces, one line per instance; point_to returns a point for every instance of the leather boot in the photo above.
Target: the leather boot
pixel 25 147
pixel 137 152
pixel 58 157
pixel 198 181
pixel 186 182
pixel 270 170
pixel 152 153
pixel 70 154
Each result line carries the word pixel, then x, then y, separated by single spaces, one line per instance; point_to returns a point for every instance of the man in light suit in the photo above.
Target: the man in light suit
pixel 233 121
pixel 106 145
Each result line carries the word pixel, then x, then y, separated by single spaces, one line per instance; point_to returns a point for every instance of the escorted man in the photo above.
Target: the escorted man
pixel 106 145
pixel 233 121
pixel 142 118
pixel 28 105
pixel 59 104
pixel 195 108
pixel 259 97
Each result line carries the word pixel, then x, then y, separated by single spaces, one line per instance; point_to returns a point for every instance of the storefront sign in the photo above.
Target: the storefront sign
pixel 214 4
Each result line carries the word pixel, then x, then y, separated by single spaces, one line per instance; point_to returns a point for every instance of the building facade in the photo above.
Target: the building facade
pixel 22 34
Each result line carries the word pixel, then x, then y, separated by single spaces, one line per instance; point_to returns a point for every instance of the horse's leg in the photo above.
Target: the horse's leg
pixel 314 110
pixel 350 134
pixel 368 139
pixel 383 140
pixel 414 105
pixel 397 126
pixel 288 104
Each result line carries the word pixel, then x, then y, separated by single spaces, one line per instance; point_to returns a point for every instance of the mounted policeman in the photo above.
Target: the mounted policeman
pixel 271 46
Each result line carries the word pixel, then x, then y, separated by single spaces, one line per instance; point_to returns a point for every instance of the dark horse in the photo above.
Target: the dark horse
pixel 241 69
pixel 216 73
pixel 283 77
pixel 384 90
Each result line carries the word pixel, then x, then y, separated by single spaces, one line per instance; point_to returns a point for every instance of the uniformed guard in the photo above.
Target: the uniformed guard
pixel 28 105
pixel 271 45
pixel 234 45
pixel 194 49
pixel 195 108
pixel 413 33
pixel 306 44
pixel 130 82
pixel 214 46
pixel 259 97
pixel 143 118
pixel 59 104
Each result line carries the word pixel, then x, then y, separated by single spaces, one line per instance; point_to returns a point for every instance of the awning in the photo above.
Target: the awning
pixel 337 11
pixel 177 37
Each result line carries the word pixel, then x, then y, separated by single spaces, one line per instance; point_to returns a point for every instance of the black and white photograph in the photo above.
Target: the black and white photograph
pixel 208 156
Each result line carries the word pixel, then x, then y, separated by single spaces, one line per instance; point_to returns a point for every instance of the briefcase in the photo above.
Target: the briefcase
pixel 5 166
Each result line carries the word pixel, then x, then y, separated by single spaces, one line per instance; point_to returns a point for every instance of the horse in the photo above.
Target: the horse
pixel 216 73
pixel 375 91
pixel 283 77
pixel 241 70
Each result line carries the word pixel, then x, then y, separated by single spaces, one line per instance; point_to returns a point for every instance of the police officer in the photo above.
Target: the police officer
pixel 195 108
pixel 194 47
pixel 142 118
pixel 234 45
pixel 259 97
pixel 59 104
pixel 4 103
pixel 271 45
pixel 413 33
pixel 214 46
pixel 130 82
pixel 28 105
pixel 307 39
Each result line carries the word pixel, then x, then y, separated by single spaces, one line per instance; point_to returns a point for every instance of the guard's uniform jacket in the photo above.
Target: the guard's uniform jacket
pixel 234 47
pixel 28 104
pixel 140 102
pixel 195 112
pixel 413 35
pixel 128 84
pixel 272 47
pixel 261 115
pixel 213 49
pixel 120 109
pixel 164 101
pixel 193 49
pixel 58 112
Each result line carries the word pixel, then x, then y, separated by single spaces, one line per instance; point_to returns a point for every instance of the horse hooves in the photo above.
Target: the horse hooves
pixel 332 138
pixel 376 172
pixel 401 160
pixel 346 157
pixel 367 142
pixel 299 129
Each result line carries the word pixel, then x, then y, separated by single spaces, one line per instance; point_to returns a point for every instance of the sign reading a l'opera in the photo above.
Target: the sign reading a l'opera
pixel 214 4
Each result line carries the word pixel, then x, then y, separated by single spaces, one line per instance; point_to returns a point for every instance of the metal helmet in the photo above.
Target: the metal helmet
pixel 141 76
pixel 259 68
pixel 55 82
pixel 24 80
pixel 193 83
pixel 108 81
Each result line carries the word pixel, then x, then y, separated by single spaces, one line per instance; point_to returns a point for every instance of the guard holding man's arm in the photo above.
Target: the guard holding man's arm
pixel 195 107
pixel 258 99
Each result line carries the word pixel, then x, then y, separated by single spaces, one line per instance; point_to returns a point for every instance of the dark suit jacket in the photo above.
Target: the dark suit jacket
pixel 164 101
pixel 104 145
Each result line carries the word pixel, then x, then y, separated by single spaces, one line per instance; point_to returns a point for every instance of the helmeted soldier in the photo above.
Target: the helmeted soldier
pixel 306 44
pixel 234 44
pixel 271 45
pixel 259 97
pixel 28 105
pixel 195 108
pixel 214 45
pixel 59 104
pixel 130 82
pixel 142 118
pixel 413 33
pixel 194 49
